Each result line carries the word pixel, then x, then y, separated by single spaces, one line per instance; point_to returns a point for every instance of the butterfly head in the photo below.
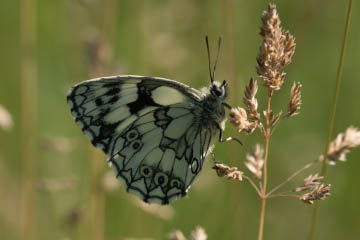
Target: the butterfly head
pixel 218 90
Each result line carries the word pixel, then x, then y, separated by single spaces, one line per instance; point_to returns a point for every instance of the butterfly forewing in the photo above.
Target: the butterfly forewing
pixel 150 129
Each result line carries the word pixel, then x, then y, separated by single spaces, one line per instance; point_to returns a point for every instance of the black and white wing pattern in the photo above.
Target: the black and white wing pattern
pixel 152 130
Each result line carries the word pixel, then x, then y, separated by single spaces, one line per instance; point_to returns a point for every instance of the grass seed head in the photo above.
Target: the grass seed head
pixel 276 51
pixel 342 145
pixel 320 192
pixel 223 170
pixel 239 118
pixel 255 161
pixel 295 100
pixel 310 182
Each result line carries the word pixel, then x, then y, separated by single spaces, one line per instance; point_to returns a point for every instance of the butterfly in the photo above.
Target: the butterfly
pixel 155 132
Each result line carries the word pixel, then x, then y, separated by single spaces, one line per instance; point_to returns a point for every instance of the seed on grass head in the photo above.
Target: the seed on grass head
pixel 164 212
pixel 110 184
pixel 273 119
pixel 250 101
pixel 342 145
pixel 321 192
pixel 239 119
pixel 6 121
pixel 295 100
pixel 251 104
pixel 276 51
pixel 176 235
pixel 198 234
pixel 255 161
pixel 310 182
pixel 223 170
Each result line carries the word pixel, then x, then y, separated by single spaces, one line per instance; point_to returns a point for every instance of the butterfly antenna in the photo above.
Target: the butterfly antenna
pixel 208 51
pixel 217 57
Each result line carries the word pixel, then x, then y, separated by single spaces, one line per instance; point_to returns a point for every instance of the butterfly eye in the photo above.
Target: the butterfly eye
pixel 217 91
pixel 146 171
pixel 175 183
pixel 131 135
pixel 161 179
pixel 136 144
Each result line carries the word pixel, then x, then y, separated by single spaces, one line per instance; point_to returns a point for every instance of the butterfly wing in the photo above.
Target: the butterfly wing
pixel 150 129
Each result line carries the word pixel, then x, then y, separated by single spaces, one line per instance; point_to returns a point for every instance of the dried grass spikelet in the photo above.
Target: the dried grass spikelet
pixel 273 119
pixel 198 234
pixel 320 192
pixel 109 183
pixel 310 182
pixel 165 212
pixel 176 235
pixel 58 185
pixel 255 161
pixel 251 104
pixel 342 145
pixel 295 100
pixel 57 144
pixel 276 51
pixel 223 170
pixel 6 121
pixel 239 118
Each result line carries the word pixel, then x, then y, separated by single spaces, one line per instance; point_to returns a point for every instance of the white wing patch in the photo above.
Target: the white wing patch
pixel 167 96
pixel 118 114
pixel 150 129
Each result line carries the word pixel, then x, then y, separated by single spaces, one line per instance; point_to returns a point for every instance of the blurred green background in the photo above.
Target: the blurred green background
pixel 48 46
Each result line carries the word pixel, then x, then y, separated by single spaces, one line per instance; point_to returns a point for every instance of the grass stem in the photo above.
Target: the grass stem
pixel 289 178
pixel 263 192
pixel 332 117
pixel 253 184
pixel 97 198
pixel 28 75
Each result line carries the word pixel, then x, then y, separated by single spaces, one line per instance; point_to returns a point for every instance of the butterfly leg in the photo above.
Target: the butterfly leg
pixel 221 139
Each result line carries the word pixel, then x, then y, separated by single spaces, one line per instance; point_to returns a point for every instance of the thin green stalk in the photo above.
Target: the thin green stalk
pixel 265 179
pixel 28 75
pixel 253 185
pixel 228 56
pixel 332 116
pixel 97 198
pixel 269 194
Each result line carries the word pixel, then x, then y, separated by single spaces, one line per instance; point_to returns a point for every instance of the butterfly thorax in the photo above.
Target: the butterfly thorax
pixel 213 111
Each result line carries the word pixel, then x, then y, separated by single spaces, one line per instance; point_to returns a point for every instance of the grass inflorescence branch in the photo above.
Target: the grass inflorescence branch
pixel 275 53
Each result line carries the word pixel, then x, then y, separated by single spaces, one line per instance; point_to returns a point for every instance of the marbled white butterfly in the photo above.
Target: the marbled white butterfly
pixel 156 132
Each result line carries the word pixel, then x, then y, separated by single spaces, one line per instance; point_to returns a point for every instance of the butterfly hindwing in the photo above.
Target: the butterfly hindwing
pixel 166 154
pixel 150 130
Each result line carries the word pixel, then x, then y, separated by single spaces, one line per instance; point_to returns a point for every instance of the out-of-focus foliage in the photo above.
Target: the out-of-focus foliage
pixel 166 39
